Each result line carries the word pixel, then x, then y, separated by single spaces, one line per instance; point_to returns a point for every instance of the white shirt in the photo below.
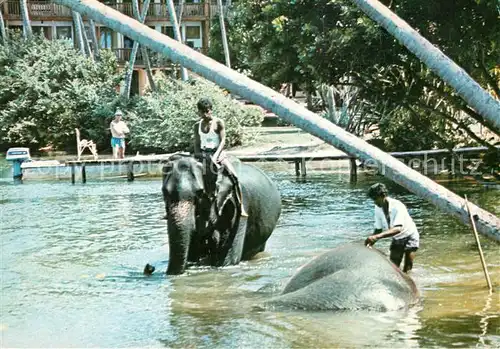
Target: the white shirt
pixel 118 129
pixel 398 215
pixel 211 139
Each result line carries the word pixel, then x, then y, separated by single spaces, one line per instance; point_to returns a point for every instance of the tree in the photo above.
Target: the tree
pixel 47 89
pixel 28 33
pixel 3 32
pixel 163 120
pixel 331 42
pixel 223 33
pixel 390 167
pixel 177 32
pixel 78 31
pixel 141 18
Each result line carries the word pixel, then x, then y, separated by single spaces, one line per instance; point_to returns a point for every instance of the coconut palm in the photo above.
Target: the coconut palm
pixel 437 61
pixel 130 70
pixel 93 37
pixel 3 32
pixel 177 33
pixel 223 33
pixel 28 33
pixel 86 44
pixel 78 31
pixel 487 223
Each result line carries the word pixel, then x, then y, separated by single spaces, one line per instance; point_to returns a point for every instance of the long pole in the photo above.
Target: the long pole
pixel 481 256
pixel 237 83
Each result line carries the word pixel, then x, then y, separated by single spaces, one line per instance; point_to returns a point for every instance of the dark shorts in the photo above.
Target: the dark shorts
pixel 407 244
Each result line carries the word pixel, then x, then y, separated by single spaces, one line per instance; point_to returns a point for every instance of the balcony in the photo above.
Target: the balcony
pixel 45 10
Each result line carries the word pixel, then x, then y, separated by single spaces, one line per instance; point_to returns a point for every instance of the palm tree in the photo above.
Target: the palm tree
pixel 28 33
pixel 177 33
pixel 180 10
pixel 436 60
pixel 78 31
pixel 487 223
pixel 93 36
pixel 223 33
pixel 141 18
pixel 86 44
pixel 3 32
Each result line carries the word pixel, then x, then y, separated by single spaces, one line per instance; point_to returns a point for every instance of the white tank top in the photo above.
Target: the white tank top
pixel 211 139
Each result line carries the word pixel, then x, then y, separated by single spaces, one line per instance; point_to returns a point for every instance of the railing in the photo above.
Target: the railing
pixel 37 9
pixel 46 9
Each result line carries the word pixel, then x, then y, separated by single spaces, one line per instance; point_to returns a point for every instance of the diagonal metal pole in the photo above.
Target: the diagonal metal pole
pixel 487 223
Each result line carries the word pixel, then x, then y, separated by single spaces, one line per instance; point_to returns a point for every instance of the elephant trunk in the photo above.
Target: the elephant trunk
pixel 181 226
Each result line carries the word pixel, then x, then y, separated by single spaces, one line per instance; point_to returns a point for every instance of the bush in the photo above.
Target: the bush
pixel 163 120
pixel 47 89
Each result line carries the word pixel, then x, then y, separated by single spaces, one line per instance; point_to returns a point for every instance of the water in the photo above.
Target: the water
pixel 72 260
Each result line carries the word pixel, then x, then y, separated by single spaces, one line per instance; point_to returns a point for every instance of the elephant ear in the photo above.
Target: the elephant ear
pixel 225 190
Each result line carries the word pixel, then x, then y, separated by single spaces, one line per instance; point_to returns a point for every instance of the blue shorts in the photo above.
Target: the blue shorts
pixel 117 142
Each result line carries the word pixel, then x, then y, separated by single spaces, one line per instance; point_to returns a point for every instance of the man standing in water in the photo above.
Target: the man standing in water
pixel 393 220
pixel 118 131
pixel 209 142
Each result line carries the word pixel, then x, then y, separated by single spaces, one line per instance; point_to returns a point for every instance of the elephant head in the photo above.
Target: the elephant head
pixel 187 205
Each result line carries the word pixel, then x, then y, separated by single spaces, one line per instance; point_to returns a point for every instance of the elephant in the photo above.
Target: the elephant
pixel 349 277
pixel 204 224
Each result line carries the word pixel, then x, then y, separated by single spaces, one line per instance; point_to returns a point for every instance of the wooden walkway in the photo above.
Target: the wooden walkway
pixel 299 160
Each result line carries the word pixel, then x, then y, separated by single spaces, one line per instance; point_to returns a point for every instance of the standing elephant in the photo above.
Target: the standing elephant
pixel 205 225
pixel 350 277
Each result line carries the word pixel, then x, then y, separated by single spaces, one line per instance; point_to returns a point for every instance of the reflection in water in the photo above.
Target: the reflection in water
pixel 72 258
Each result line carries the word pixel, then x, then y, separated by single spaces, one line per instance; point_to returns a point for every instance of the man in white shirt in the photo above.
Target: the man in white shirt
pixel 118 130
pixel 393 220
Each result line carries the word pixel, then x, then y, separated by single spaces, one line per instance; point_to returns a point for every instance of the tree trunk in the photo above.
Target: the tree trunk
pixel 27 32
pixel 487 223
pixel 177 33
pixel 437 61
pixel 223 33
pixel 130 71
pixel 144 50
pixel 78 31
pixel 3 32
pixel 85 39
pixel 180 11
pixel 95 42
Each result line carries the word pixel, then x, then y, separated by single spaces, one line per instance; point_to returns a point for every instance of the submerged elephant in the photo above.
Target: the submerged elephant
pixel 205 226
pixel 350 277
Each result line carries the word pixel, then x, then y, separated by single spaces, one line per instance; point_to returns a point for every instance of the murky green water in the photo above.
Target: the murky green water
pixel 72 260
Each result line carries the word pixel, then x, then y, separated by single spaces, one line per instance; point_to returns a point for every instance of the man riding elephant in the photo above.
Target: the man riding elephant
pixel 209 142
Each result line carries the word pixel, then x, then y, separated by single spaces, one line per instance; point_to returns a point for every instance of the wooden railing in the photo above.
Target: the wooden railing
pixel 46 9
pixel 37 9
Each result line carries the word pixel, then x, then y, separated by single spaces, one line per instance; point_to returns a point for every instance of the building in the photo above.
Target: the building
pixel 56 22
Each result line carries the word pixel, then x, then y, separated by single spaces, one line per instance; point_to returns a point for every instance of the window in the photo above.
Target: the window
pixel 63 33
pixel 193 32
pixel 106 38
pixel 169 31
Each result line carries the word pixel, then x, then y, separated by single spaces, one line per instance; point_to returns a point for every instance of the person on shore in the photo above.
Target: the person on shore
pixel 393 220
pixel 118 130
pixel 209 142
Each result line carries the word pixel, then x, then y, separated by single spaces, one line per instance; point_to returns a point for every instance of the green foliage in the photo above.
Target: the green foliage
pixel 163 120
pixel 47 89
pixel 332 42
